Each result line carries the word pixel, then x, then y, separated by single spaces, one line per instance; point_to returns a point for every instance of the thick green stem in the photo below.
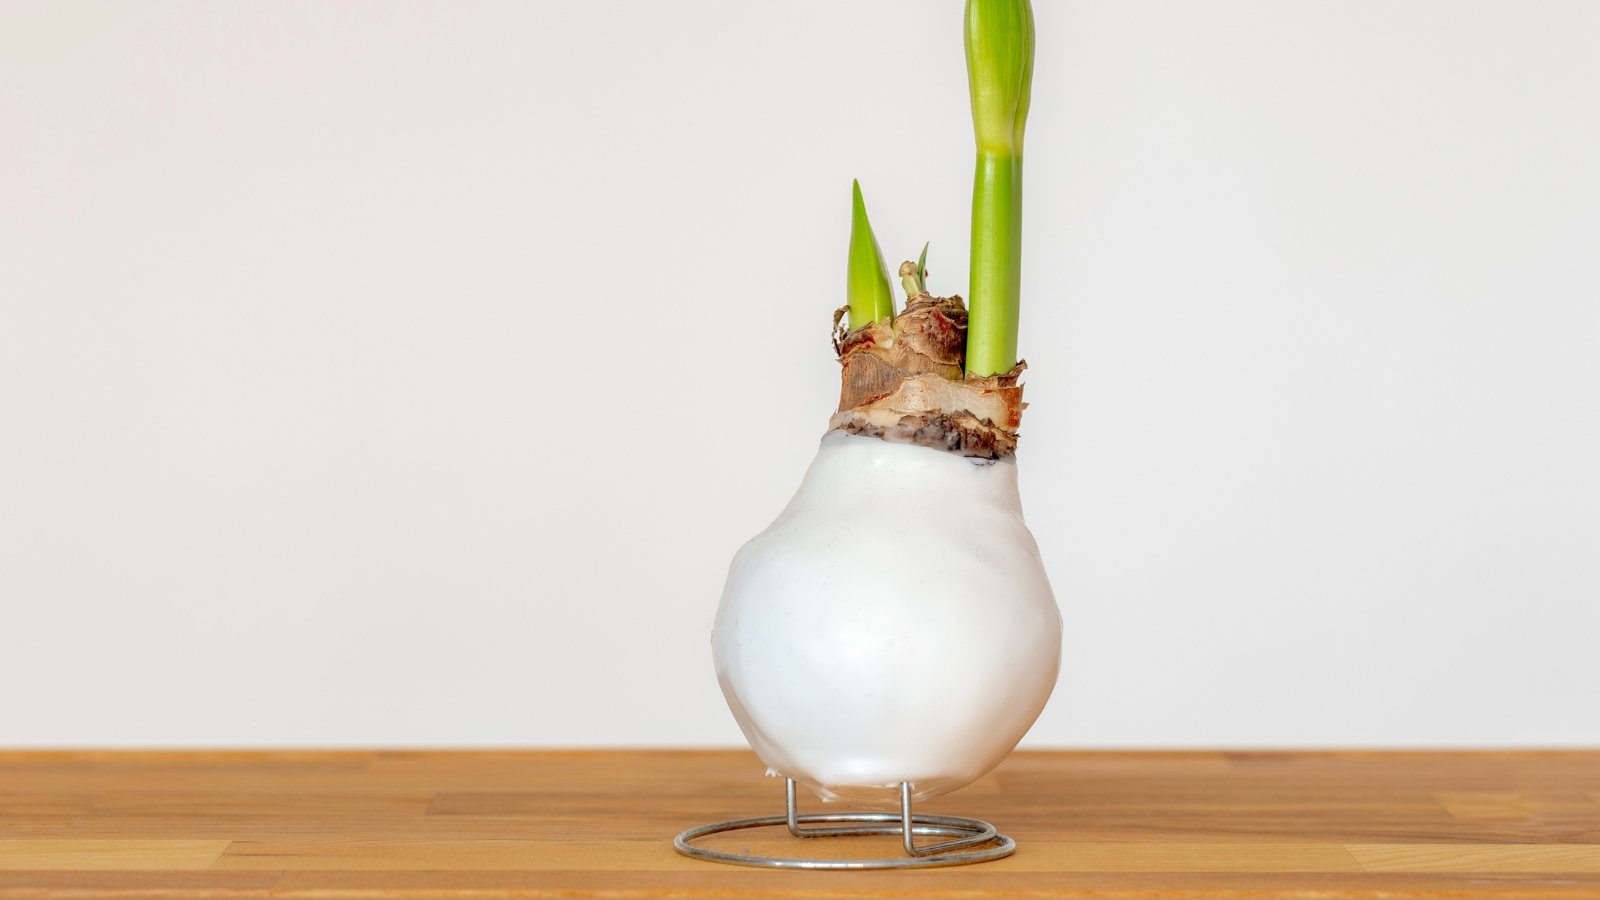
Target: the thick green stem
pixel 996 287
pixel 999 43
pixel 867 288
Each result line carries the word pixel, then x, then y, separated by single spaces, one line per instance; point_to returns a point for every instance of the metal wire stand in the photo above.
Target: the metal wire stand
pixel 965 833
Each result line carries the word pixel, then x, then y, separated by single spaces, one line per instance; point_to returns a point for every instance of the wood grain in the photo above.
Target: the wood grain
pixel 578 823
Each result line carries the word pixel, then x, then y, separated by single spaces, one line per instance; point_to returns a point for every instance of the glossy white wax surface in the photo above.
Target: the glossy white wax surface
pixel 894 624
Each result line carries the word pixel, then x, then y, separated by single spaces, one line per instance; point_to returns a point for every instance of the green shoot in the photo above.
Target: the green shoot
pixel 868 285
pixel 914 276
pixel 999 41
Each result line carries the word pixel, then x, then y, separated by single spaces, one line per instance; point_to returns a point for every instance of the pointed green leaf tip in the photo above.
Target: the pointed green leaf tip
pixel 922 267
pixel 999 41
pixel 868 285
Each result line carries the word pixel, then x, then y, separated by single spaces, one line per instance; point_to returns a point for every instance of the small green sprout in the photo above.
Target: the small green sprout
pixel 871 299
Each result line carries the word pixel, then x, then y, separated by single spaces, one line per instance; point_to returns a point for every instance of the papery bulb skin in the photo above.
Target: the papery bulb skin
pixel 893 624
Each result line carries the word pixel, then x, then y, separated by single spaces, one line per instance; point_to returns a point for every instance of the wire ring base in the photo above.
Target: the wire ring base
pixel 965 835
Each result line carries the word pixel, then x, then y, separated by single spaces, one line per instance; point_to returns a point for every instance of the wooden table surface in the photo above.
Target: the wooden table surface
pixel 591 823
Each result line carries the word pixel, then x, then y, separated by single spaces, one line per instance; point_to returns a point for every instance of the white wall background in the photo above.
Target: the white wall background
pixel 357 360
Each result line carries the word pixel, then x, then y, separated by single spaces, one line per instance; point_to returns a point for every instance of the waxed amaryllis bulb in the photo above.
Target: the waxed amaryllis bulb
pixel 894 625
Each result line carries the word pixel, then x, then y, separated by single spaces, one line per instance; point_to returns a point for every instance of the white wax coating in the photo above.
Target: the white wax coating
pixel 894 624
